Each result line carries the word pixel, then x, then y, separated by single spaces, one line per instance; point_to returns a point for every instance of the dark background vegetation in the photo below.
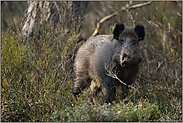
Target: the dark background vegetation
pixel 37 69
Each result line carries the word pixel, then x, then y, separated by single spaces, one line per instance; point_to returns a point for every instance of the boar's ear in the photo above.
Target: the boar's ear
pixel 140 32
pixel 117 30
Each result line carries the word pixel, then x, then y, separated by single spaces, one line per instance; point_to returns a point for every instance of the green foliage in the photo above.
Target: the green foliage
pixel 32 74
pixel 144 111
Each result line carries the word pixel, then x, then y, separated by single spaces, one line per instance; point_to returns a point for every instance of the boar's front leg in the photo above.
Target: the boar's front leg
pixel 111 90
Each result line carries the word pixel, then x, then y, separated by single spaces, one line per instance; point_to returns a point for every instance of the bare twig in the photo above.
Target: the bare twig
pixel 152 23
pixel 113 75
pixel 126 8
pixel 159 65
pixel 131 17
pixel 60 16
pixel 128 97
pixel 101 22
pixel 169 28
pixel 138 5
pixel 179 14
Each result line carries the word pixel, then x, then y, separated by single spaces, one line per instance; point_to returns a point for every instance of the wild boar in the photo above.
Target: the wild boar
pixel 120 49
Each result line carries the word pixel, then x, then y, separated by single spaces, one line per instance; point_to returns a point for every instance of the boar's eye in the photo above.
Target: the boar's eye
pixel 134 42
pixel 121 41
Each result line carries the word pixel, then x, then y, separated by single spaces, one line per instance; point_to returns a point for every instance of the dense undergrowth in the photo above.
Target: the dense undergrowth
pixel 37 78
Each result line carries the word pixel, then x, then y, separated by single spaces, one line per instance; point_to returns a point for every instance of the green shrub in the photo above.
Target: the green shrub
pixel 144 111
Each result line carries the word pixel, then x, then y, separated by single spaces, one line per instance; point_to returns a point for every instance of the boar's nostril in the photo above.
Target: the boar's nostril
pixel 125 64
pixel 124 56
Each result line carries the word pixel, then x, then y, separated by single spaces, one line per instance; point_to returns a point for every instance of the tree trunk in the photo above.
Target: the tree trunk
pixel 68 14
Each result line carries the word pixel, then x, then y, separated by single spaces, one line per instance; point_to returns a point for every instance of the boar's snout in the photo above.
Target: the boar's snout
pixel 125 61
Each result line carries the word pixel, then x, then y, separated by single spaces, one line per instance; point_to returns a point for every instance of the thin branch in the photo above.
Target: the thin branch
pixel 179 14
pixel 169 29
pixel 113 75
pixel 60 16
pixel 138 5
pixel 131 17
pixel 127 98
pixel 152 23
pixel 159 65
pixel 102 21
pixel 128 7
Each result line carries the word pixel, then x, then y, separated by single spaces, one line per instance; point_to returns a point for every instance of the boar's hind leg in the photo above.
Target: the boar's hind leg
pixel 80 84
pixel 111 90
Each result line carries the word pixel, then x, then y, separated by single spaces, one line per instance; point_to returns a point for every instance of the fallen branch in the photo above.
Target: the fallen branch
pixel 126 8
